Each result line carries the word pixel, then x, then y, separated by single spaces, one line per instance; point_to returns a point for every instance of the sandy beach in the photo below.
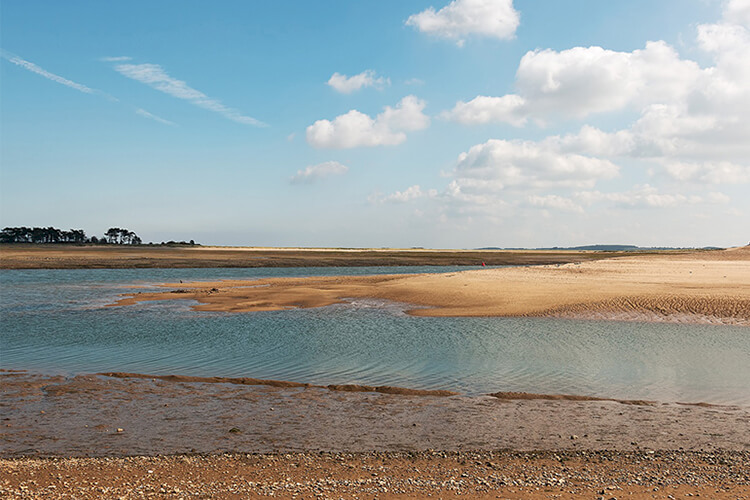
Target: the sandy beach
pixel 691 287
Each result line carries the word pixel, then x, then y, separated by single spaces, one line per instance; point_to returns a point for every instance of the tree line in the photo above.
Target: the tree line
pixel 114 235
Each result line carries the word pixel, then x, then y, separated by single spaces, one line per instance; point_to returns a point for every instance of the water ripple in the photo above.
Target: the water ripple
pixel 53 321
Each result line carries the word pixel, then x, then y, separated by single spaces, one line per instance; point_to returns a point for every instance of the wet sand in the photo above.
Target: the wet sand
pixel 81 415
pixel 93 436
pixel 711 287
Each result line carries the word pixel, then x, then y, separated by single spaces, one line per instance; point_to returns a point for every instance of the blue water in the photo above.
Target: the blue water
pixel 54 321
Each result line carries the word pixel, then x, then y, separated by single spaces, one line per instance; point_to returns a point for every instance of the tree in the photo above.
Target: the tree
pixel 112 234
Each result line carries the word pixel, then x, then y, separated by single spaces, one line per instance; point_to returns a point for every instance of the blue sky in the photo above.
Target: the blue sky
pixel 379 123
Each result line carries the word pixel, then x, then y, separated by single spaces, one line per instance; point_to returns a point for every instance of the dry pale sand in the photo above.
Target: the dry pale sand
pixel 696 287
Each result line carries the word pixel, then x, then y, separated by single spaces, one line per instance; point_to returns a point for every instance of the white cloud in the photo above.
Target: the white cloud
pixel 497 164
pixel 348 84
pixel 594 142
pixel 356 129
pixel 554 202
pixel 584 80
pixel 691 134
pixel 151 116
pixel 482 109
pixel 709 172
pixel 46 74
pixel 644 196
pixel 461 18
pixel 409 194
pixel 154 76
pixel 693 121
pixel 314 173
pixel 738 12
pixel 115 58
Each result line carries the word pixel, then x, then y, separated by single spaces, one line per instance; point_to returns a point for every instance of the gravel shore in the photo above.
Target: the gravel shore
pixel 499 474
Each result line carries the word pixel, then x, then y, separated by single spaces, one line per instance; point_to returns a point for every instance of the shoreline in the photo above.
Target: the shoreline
pixel 355 388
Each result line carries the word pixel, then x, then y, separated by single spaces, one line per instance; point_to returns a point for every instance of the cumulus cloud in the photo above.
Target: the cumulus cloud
pixel 693 121
pixel 317 172
pixel 154 76
pixel 584 80
pixel 356 129
pixel 483 109
pixel 151 116
pixel 691 129
pixel 738 12
pixel 461 18
pixel 30 66
pixel 498 164
pixel 348 84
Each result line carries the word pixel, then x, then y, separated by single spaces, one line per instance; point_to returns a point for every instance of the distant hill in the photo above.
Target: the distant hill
pixel 602 248
pixel 607 248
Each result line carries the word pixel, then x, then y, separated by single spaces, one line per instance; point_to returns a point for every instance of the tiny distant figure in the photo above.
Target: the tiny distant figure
pixel 180 281
pixel 483 264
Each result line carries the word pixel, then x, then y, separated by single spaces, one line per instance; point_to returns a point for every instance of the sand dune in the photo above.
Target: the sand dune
pixel 699 287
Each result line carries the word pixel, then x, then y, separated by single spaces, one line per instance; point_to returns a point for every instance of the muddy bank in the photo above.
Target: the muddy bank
pixel 23 256
pixel 91 415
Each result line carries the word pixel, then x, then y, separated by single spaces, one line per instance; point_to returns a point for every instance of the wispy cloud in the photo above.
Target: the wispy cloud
pixel 152 116
pixel 115 58
pixel 154 76
pixel 46 74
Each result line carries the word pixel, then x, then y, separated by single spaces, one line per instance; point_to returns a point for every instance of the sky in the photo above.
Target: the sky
pixel 379 123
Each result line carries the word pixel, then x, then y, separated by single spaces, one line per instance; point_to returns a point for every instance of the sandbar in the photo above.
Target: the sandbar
pixel 708 286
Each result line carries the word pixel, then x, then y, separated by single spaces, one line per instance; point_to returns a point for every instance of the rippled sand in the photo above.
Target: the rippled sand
pixel 711 287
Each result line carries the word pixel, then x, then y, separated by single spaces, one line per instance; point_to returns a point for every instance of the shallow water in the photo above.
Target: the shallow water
pixel 54 321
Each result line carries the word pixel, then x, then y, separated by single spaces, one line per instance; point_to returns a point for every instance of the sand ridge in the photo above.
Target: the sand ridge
pixel 700 287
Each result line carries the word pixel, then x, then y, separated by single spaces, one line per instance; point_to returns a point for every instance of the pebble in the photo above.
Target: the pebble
pixel 719 474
